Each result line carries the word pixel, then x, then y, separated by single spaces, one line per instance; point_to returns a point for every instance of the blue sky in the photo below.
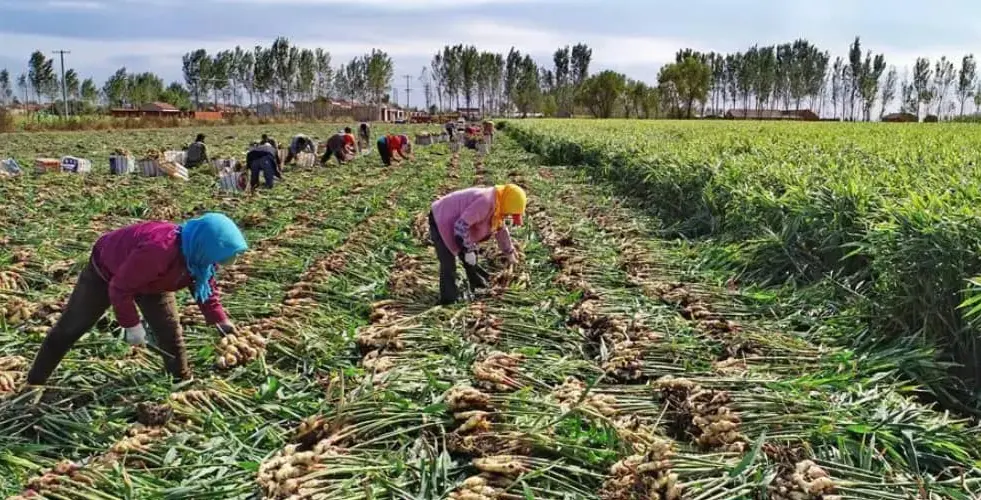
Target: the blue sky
pixel 632 36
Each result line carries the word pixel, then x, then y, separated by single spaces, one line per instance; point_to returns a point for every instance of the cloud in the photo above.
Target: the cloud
pixel 388 4
pixel 54 5
pixel 410 51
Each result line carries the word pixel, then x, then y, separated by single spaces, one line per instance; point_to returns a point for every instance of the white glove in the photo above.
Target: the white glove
pixel 470 258
pixel 135 335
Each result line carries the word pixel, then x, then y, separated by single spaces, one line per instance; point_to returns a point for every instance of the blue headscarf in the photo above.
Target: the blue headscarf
pixel 206 241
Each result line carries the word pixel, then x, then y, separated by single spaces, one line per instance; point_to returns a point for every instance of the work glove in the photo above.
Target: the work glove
pixel 470 258
pixel 512 258
pixel 135 335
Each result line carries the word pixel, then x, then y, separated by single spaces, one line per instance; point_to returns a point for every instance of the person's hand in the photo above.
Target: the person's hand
pixel 470 258
pixel 226 328
pixel 512 258
pixel 135 335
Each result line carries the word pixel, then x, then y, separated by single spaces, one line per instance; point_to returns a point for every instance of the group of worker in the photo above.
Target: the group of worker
pixel 263 157
pixel 138 268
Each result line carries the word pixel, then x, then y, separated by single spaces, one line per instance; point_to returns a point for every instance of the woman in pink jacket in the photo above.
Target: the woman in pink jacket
pixel 461 220
pixel 142 265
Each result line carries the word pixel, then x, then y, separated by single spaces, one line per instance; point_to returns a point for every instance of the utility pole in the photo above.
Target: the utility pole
pixel 407 90
pixel 64 87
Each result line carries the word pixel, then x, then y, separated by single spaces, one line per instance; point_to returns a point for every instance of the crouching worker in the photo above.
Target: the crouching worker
pixel 300 144
pixel 459 221
pixel 393 147
pixel 364 136
pixel 341 145
pixel 140 267
pixel 265 159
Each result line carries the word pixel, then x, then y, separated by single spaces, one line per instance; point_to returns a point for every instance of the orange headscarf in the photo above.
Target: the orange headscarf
pixel 509 199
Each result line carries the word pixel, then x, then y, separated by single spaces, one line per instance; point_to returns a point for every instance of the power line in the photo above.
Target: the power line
pixel 64 86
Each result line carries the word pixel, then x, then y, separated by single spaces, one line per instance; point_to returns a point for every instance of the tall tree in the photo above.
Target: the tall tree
pixel 41 75
pixel 690 80
pixel 6 91
pixel 966 78
pixel 921 83
pixel 284 68
pixel 512 73
pixel 143 88
pixel 306 77
pixel 528 88
pixel 580 58
pixel 943 78
pixel 195 67
pixel 264 72
pixel 855 70
pixel 89 92
pixel 116 88
pixel 600 92
pixel 837 87
pixel 888 89
pixel 563 68
pixel 176 95
pixel 379 71
pixel 437 72
pixel 872 70
pixel 469 62
pixel 24 86
pixel 324 73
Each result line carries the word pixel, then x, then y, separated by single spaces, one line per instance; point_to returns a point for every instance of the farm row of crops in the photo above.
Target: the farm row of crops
pixel 886 216
pixel 597 368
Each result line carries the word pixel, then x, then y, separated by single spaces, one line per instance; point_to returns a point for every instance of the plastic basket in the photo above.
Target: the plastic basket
pixel 223 164
pixel 149 167
pixel 45 165
pixel 179 157
pixel 306 159
pixel 121 165
pixel 424 140
pixel 482 148
pixel 175 170
pixel 10 167
pixel 231 181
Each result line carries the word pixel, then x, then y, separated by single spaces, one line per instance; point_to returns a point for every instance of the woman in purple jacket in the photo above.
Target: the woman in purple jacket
pixel 142 265
pixel 459 221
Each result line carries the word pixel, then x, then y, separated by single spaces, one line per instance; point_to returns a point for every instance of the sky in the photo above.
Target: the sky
pixel 632 36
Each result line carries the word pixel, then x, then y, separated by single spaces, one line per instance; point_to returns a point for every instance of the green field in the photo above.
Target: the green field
pixel 612 363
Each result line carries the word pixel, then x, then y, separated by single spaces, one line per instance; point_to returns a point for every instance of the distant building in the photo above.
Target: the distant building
pixel 900 118
pixel 151 110
pixel 772 114
pixel 376 113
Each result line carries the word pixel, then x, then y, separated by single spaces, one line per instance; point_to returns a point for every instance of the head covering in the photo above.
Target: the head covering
pixel 206 241
pixel 511 200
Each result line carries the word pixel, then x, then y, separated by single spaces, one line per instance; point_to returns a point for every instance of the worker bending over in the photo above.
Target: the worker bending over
pixel 137 269
pixel 461 220
pixel 300 144
pixel 393 147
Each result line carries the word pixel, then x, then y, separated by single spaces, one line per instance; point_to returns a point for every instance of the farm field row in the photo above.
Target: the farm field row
pixel 885 215
pixel 598 368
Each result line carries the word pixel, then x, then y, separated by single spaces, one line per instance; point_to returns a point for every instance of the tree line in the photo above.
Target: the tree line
pixel 793 75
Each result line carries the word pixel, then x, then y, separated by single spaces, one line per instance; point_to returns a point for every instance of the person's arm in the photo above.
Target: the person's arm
pixel 504 240
pixel 204 153
pixel 144 265
pixel 214 313
pixel 473 214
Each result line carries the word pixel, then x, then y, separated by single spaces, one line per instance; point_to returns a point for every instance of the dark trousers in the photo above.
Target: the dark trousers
pixel 448 291
pixel 88 302
pixel 339 154
pixel 385 153
pixel 268 168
